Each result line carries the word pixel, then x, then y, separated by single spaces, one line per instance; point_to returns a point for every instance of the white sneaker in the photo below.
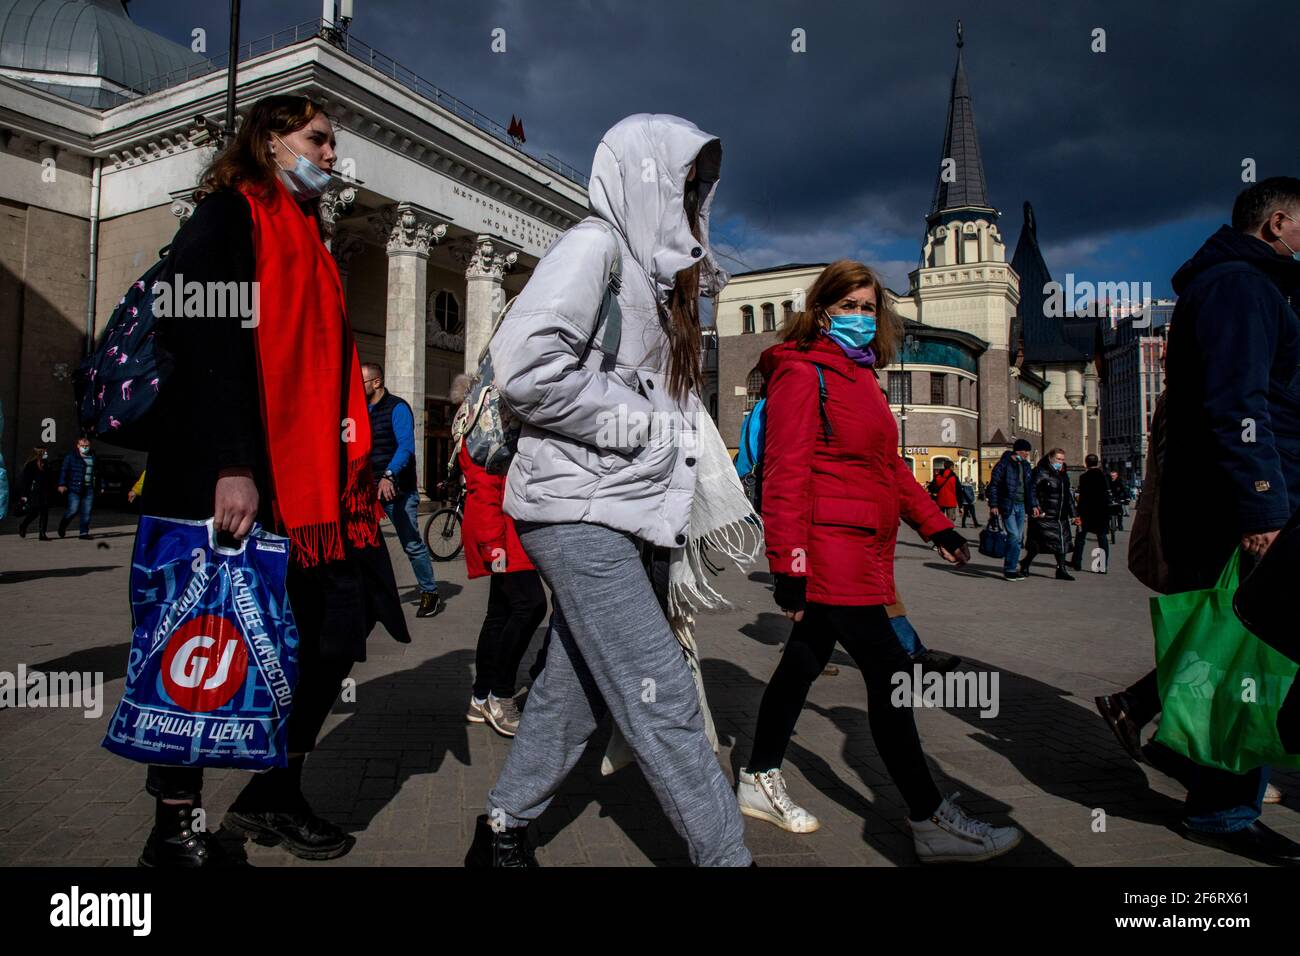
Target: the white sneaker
pixel 762 796
pixel 950 836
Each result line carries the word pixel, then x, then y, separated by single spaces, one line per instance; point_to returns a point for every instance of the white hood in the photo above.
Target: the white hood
pixel 638 180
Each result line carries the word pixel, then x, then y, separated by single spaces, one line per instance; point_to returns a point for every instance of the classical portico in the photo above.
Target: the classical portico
pixel 440 219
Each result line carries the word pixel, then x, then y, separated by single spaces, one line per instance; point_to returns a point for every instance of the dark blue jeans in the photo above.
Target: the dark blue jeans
pixel 404 512
pixel 1013 519
pixel 78 502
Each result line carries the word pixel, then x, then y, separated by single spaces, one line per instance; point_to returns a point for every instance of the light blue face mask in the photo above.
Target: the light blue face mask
pixel 1056 466
pixel 1294 253
pixel 306 180
pixel 855 330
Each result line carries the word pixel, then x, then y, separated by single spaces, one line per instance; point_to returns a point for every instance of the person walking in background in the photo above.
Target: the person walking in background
pixel 1012 498
pixel 516 598
pixel 78 480
pixel 392 459
pixel 1094 512
pixel 944 490
pixel 1120 497
pixel 34 489
pixel 1049 532
pixel 966 495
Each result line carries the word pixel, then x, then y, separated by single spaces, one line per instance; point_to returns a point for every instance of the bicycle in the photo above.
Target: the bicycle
pixel 442 532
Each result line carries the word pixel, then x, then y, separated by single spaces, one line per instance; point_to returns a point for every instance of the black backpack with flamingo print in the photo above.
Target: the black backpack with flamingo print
pixel 116 385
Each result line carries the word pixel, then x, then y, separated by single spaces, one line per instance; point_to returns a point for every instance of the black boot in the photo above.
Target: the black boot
pixel 22 530
pixel 63 528
pixel 509 847
pixel 272 811
pixel 431 603
pixel 173 841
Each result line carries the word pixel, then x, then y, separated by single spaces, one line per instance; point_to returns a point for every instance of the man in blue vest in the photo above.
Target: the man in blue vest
pixel 78 480
pixel 392 458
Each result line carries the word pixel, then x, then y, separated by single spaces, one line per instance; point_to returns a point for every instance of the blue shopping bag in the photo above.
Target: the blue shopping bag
pixel 214 650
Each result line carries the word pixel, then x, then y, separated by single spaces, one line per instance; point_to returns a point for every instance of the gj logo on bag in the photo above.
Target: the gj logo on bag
pixel 214 653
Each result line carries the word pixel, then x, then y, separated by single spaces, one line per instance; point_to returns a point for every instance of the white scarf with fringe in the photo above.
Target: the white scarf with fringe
pixel 722 521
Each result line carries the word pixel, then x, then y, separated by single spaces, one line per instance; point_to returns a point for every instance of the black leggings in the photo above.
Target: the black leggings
pixel 865 632
pixel 36 510
pixel 516 605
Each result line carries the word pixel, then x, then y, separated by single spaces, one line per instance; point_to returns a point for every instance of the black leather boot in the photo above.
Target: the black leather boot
pixel 173 841
pixel 272 811
pixel 490 848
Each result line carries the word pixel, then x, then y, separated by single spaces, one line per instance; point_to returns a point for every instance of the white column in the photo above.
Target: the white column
pixel 409 232
pixel 484 296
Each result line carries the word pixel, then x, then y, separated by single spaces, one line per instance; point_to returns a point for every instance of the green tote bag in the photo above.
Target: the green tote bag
pixel 1220 686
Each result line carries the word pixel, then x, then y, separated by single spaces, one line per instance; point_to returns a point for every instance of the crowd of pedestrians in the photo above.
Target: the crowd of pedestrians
pixel 603 535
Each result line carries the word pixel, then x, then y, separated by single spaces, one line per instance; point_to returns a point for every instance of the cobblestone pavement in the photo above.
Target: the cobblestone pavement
pixel 402 769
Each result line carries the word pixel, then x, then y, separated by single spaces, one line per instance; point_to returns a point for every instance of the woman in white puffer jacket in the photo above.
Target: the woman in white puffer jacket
pixel 593 486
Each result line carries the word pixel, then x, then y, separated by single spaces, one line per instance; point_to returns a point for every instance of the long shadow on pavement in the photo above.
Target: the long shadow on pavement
pixel 37 574
pixel 884 827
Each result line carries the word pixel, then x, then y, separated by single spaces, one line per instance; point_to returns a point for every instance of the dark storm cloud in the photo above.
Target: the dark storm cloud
pixel 842 143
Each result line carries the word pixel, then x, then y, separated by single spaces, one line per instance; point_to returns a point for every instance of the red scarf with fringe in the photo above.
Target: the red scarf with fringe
pixel 313 404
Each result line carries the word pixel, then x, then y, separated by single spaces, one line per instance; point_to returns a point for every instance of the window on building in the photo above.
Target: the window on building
pixel 938 388
pixel 753 388
pixel 769 317
pixel 787 310
pixel 747 318
pixel 900 388
pixel 446 312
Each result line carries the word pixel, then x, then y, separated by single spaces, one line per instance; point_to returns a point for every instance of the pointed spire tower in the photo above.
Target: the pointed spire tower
pixel 960 186
pixel 963 281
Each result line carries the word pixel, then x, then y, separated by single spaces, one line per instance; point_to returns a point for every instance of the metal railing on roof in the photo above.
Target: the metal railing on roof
pixel 364 53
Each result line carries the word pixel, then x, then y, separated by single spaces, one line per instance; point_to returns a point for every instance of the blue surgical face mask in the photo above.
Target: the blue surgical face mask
pixel 306 180
pixel 854 330
pixel 1056 466
pixel 1294 253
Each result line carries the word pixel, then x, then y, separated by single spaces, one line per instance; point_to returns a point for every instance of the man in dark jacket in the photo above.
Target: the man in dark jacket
pixel 1094 513
pixel 1011 496
pixel 392 459
pixel 1233 420
pixel 1120 497
pixel 78 480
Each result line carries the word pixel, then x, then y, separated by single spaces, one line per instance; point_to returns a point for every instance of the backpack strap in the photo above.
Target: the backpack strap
pixel 827 431
pixel 610 315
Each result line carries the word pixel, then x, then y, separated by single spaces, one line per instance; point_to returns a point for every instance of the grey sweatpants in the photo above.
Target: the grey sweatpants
pixel 612 651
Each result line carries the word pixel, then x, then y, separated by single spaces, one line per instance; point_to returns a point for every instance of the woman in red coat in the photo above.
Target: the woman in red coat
pixel 516 598
pixel 834 489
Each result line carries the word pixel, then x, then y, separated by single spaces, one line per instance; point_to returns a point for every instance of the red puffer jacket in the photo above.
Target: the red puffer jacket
pixel 488 533
pixel 831 509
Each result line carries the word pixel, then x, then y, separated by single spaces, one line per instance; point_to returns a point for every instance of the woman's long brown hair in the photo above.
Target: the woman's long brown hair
pixel 684 315
pixel 835 282
pixel 248 158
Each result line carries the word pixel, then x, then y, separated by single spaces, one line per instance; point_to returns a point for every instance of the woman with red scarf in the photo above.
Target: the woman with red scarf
pixel 249 431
